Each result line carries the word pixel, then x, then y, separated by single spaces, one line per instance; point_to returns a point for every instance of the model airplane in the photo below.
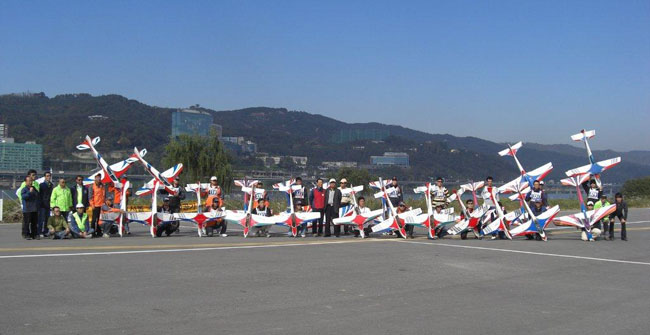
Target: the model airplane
pixel 198 189
pixel 529 178
pixel 534 224
pixel 152 218
pixel 501 221
pixel 395 221
pixel 108 173
pixel 163 180
pixel 199 217
pixel 245 218
pixel 433 220
pixel 353 216
pixel 594 168
pixel 585 219
pixel 471 221
pixel 291 219
pixel 121 216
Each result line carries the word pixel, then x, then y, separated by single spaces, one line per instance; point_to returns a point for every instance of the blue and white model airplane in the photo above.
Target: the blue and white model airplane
pixel 594 169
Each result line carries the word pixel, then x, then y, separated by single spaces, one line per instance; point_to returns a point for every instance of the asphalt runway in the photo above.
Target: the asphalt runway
pixel 184 284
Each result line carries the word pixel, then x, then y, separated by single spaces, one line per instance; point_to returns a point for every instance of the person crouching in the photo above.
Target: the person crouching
pixel 79 225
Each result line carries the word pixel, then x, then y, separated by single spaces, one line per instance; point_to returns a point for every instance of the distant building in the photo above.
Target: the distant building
pixel 338 164
pixel 97 117
pixel 238 145
pixel 21 156
pixel 4 131
pixel 391 158
pixel 191 122
pixel 355 134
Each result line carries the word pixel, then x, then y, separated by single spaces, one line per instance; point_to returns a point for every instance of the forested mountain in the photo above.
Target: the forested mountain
pixel 60 123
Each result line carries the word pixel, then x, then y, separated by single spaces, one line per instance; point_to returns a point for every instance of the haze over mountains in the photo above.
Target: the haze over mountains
pixel 60 122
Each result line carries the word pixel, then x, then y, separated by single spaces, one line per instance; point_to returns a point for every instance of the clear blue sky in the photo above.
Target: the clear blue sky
pixel 501 70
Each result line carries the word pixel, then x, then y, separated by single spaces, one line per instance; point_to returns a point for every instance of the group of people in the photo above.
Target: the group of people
pixel 59 211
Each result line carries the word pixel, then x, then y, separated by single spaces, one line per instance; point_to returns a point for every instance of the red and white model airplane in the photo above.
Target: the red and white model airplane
pixel 200 218
pixel 119 216
pixel 162 180
pixel 245 218
pixel 359 220
pixel 585 219
pixel 433 220
pixel 593 168
pixel 395 221
pixel 152 218
pixel 471 221
pixel 527 178
pixel 108 173
pixel 291 219
pixel 501 221
pixel 535 223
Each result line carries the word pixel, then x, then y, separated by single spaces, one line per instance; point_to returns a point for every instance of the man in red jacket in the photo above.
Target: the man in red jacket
pixel 317 203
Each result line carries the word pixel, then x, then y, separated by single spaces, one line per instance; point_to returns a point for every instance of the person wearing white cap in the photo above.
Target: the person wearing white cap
pixel 332 205
pixel 214 192
pixel 79 225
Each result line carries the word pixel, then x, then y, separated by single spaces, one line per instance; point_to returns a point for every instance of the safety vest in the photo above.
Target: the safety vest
pixel 594 193
pixel 81 222
pixel 536 195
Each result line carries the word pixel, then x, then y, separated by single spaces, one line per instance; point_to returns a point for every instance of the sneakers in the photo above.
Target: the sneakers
pixel 106 236
pixel 493 237
pixel 224 235
pixel 301 235
pixel 267 235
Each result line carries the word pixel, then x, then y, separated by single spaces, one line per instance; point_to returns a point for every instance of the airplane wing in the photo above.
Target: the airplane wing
pixel 600 213
pixel 540 173
pixel 513 185
pixel 583 134
pixel 235 216
pixel 109 216
pixel 573 220
pixel 142 217
pixel 355 218
pixel 608 163
pixel 172 172
pixel 307 216
pixel 386 224
pixel 512 150
pixel 261 221
pixel 193 187
pixel 458 227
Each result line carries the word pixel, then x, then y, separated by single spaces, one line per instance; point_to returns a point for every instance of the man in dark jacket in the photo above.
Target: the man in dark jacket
pixel 317 203
pixel 44 212
pixel 175 200
pixel 30 200
pixel 79 193
pixel 621 214
pixel 332 205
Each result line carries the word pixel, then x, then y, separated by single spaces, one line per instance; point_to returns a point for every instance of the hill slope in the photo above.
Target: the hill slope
pixel 61 122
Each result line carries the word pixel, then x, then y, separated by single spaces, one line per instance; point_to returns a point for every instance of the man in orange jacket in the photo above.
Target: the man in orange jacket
pixel 96 197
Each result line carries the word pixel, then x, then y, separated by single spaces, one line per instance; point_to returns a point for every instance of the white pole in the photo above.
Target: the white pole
pixel 1 206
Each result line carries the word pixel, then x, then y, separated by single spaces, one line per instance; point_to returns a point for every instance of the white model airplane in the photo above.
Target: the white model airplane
pixel 534 224
pixel 291 219
pixel 197 189
pixel 395 221
pixel 108 173
pixel 163 180
pixel 120 217
pixel 585 219
pixel 527 178
pixel 594 168
pixel 152 218
pixel 501 221
pixel 471 221
pixel 355 218
pixel 433 220
pixel 199 217
pixel 245 218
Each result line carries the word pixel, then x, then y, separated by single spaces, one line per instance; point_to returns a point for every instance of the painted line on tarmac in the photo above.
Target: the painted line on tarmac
pixel 189 247
pixel 528 252
pixel 570 227
pixel 580 231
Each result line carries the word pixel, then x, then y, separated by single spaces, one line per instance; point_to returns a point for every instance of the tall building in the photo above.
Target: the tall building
pixel 391 158
pixel 192 122
pixel 4 130
pixel 355 134
pixel 21 156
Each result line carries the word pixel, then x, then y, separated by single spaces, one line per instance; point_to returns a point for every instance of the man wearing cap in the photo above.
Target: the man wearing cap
pixel 537 194
pixel 218 224
pixel 317 203
pixel 346 203
pixel 604 223
pixel 401 208
pixel 332 205
pixel 79 224
pixel 595 229
pixel 214 192
pixel 439 193
pixel 262 210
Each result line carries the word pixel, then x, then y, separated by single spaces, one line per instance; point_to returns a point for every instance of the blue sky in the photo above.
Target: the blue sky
pixel 535 71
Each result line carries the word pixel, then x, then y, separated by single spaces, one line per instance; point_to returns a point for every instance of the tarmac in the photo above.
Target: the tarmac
pixel 184 284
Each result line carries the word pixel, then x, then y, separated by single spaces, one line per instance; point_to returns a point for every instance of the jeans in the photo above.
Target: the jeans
pixel 223 226
pixel 43 215
pixel 167 227
pixel 59 235
pixel 77 234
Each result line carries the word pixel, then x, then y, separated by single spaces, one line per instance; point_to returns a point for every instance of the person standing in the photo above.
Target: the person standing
pixel 395 194
pixel 332 205
pixel 299 194
pixel 346 204
pixel 96 197
pixel 175 199
pixel 621 214
pixel 61 197
pixel 439 193
pixel 29 197
pixel 79 193
pixel 594 192
pixel 44 210
pixel 317 203
pixel 32 174
pixel 604 222
pixel 57 225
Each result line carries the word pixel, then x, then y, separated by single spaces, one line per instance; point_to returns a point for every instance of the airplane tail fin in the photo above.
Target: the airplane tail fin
pixel 87 143
pixel 512 150
pixel 583 134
